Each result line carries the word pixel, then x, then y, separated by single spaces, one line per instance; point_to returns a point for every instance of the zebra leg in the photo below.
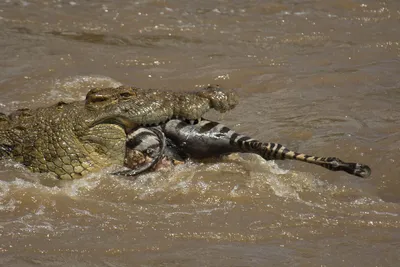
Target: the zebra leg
pixel 277 151
pixel 208 138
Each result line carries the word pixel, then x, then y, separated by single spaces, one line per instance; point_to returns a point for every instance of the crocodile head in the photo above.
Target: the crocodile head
pixel 73 139
pixel 130 106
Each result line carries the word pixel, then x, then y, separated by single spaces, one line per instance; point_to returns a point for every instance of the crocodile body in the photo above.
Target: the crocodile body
pixel 73 139
pixel 209 139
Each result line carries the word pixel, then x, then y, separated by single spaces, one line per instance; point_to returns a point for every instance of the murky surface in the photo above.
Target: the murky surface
pixel 321 77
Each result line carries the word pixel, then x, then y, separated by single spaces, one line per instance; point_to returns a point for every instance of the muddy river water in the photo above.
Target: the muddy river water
pixel 321 77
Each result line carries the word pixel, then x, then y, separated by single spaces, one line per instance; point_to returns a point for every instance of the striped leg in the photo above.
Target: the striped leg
pixel 270 151
pixel 208 138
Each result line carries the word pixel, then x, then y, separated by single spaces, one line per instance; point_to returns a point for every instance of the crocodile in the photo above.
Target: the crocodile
pixel 209 139
pixel 73 139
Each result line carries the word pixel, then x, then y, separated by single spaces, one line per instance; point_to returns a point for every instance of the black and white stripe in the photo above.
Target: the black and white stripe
pixel 209 139
pixel 144 140
pixel 151 142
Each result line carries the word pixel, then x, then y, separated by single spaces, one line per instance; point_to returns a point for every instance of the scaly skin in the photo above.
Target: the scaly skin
pixel 73 139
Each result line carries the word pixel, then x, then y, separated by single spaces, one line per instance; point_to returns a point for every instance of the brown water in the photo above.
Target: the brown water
pixel 321 77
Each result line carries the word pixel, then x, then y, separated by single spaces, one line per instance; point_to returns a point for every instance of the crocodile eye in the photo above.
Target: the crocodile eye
pixel 125 94
pixel 98 98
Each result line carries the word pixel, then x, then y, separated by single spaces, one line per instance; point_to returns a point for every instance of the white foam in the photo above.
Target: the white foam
pixel 77 187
